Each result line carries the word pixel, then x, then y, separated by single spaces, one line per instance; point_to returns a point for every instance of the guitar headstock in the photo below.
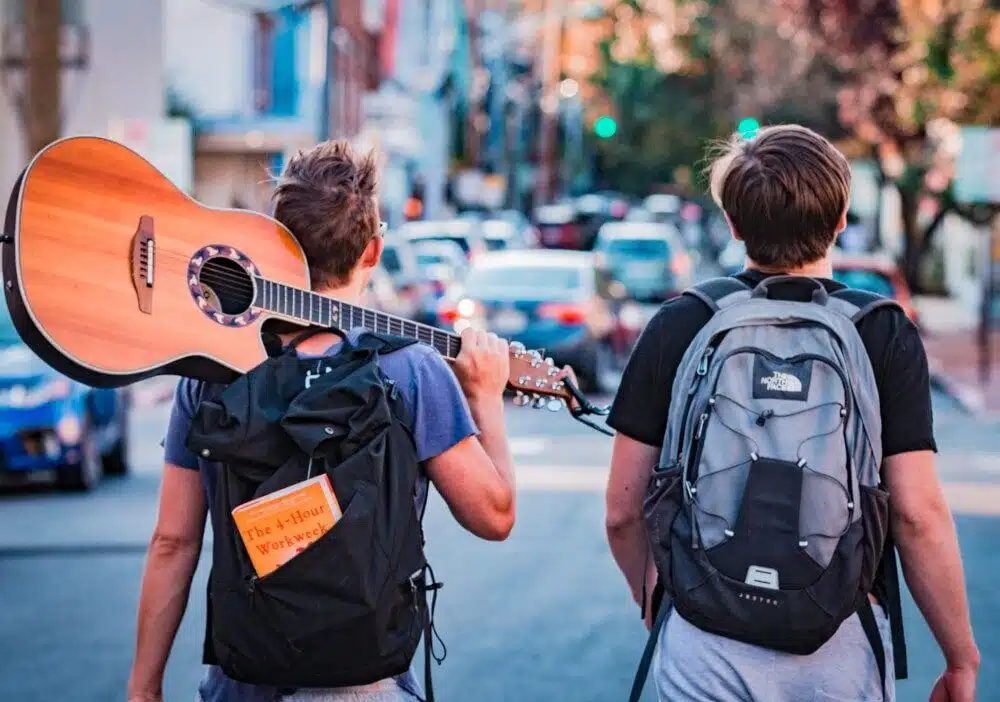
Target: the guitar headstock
pixel 534 380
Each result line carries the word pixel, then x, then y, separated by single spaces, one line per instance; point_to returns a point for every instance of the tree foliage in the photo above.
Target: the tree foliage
pixel 910 70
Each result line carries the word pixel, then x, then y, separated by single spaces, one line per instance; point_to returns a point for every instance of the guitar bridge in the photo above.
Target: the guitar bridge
pixel 143 261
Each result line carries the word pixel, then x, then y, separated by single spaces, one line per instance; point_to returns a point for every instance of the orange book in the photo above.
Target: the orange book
pixel 277 527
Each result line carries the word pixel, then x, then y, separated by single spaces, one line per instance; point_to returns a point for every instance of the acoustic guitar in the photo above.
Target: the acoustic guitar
pixel 112 274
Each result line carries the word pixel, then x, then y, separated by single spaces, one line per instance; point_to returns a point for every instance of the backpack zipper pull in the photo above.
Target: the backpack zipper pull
pixel 764 416
pixel 703 364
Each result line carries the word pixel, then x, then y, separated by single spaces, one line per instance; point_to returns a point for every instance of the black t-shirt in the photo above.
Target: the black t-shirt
pixel 893 344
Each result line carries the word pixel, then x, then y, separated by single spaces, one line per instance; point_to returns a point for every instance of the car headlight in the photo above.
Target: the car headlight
pixel 69 429
pixel 22 397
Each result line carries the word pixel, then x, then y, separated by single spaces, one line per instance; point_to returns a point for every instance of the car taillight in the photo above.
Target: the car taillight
pixel 567 232
pixel 563 313
pixel 681 264
pixel 448 314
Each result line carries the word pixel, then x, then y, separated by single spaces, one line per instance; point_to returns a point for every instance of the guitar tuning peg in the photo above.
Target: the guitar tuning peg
pixel 538 402
pixel 520 399
pixel 555 404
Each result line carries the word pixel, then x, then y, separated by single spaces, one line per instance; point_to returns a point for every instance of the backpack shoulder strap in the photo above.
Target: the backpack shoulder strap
pixel 715 291
pixel 858 304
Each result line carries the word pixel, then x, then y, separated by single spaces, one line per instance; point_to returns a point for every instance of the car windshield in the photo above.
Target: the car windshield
pixel 872 281
pixel 8 335
pixel 434 258
pixel 646 249
pixel 538 282
pixel 460 240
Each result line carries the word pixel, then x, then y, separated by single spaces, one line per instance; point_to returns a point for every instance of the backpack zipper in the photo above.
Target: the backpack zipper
pixel 700 372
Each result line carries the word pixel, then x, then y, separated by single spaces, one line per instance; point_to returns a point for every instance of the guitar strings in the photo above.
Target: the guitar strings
pixel 222 280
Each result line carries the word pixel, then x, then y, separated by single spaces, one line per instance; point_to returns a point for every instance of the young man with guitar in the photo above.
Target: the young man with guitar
pixel 775 450
pixel 327 199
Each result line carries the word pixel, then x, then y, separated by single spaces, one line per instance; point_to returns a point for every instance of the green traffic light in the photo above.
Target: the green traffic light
pixel 605 127
pixel 748 128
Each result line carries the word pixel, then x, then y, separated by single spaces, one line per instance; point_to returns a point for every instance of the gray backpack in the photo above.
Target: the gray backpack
pixel 766 515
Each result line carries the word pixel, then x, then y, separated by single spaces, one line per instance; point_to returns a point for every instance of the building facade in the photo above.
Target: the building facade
pixel 253 84
pixel 123 79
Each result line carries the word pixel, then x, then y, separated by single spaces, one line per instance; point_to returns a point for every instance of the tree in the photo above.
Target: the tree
pixel 911 71
pixel 41 108
pixel 681 73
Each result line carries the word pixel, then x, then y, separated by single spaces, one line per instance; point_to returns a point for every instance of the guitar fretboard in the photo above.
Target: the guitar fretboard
pixel 313 308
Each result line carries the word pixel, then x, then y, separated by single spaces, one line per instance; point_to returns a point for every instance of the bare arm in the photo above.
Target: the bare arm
pixel 166 582
pixel 476 476
pixel 924 533
pixel 631 467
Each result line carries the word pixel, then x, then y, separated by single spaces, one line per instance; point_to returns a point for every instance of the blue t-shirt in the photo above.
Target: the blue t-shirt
pixel 441 419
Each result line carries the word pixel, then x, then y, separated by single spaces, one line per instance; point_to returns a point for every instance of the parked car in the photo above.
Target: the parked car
pixel 550 300
pixel 649 259
pixel 875 273
pixel 50 424
pixel 400 262
pixel 526 231
pixel 440 264
pixel 381 294
pixel 559 227
pixel 467 233
pixel 501 234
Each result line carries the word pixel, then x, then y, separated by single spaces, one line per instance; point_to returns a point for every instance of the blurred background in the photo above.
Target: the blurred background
pixel 542 177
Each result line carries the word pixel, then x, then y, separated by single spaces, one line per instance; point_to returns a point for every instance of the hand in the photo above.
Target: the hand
pixel 145 697
pixel 483 364
pixel 955 685
pixel 566 372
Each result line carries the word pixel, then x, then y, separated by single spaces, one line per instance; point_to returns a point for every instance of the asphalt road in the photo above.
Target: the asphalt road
pixel 543 616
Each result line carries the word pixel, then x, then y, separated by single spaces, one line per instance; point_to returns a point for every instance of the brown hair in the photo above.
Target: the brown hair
pixel 784 191
pixel 326 198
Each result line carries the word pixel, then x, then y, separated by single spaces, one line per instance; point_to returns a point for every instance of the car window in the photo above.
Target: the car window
pixel 496 244
pixel 538 281
pixel 460 240
pixel 434 258
pixel 8 335
pixel 637 248
pixel 872 281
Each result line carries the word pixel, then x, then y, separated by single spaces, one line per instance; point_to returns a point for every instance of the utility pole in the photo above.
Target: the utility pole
pixel 42 108
pixel 330 74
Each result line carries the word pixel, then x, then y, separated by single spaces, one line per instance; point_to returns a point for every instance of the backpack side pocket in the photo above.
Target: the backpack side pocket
pixel 660 508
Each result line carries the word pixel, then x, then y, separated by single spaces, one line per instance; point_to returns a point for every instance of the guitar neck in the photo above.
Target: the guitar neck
pixel 308 307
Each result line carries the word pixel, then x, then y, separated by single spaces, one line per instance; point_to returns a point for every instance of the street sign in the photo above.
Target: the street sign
pixel 977 173
pixel 167 143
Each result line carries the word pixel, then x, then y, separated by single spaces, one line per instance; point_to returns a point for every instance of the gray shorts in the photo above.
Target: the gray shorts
pixel 384 691
pixel 694 666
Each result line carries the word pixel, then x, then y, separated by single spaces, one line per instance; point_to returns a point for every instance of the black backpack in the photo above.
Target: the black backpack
pixel 351 608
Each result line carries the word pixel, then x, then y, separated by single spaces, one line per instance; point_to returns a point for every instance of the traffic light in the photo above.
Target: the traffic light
pixel 605 127
pixel 748 127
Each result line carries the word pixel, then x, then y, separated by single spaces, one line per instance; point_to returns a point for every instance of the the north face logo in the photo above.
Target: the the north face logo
pixel 781 382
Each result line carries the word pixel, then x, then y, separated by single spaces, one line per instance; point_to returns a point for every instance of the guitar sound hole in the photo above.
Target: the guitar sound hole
pixel 228 287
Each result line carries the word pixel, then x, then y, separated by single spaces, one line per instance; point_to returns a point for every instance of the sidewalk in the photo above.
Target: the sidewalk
pixel 951 338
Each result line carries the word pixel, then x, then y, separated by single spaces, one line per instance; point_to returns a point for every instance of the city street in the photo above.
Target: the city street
pixel 543 616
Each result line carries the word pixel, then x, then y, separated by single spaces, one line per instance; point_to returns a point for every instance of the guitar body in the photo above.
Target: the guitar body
pixel 109 276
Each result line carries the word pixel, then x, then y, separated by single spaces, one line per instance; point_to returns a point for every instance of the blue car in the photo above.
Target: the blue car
pixel 51 424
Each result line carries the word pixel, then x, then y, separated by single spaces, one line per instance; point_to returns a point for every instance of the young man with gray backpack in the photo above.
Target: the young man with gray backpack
pixel 775 452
